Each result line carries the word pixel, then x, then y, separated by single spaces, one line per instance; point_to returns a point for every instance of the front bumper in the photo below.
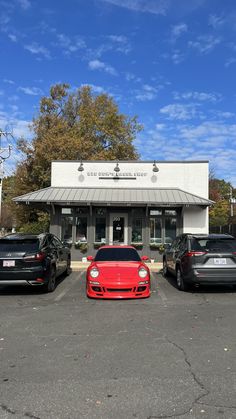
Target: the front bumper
pixel 116 292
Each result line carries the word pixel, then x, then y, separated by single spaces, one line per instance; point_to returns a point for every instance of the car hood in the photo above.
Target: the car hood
pixel 117 272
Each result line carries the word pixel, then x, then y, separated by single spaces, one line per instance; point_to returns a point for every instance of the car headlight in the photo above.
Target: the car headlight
pixel 94 273
pixel 142 272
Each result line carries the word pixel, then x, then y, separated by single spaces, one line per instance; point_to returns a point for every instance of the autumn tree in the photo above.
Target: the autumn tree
pixel 220 192
pixel 71 126
pixel 7 218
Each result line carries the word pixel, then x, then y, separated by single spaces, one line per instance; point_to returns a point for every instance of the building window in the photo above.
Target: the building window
pixel 170 225
pixel 81 229
pixel 137 236
pixel 66 228
pixel 100 230
pixel 155 230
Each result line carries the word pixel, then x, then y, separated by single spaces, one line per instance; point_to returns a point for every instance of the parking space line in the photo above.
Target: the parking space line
pixel 65 291
pixel 161 292
pixel 162 296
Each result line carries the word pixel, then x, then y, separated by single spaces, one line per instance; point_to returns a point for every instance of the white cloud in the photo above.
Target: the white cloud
pixel 70 45
pixel 178 30
pixel 230 61
pixel 18 127
pixel 8 81
pixel 95 88
pixel 177 57
pixel 147 93
pixel 158 7
pixel 12 37
pixel 121 43
pixel 24 4
pixel 32 91
pixel 121 39
pixel 211 141
pixel 37 49
pixel 209 129
pixel 99 65
pixel 216 21
pixel 160 127
pixel 205 43
pixel 4 21
pixel 132 77
pixel 199 96
pixel 180 112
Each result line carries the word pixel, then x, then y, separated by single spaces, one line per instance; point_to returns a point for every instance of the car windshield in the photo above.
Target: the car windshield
pixel 26 245
pixel 213 244
pixel 117 254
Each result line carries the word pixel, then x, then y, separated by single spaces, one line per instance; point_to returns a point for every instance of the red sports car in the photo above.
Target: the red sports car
pixel 118 272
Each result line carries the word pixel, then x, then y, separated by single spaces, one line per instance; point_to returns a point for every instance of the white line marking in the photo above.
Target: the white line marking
pixel 65 291
pixel 162 296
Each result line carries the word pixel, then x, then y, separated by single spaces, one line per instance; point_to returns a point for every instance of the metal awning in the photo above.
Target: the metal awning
pixel 111 196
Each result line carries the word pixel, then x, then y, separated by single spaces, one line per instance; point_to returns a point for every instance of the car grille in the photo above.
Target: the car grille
pixel 120 289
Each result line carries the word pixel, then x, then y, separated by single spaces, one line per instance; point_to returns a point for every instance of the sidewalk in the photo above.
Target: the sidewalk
pixel 78 266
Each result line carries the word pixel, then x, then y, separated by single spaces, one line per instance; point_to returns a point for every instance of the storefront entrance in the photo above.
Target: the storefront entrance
pixel 118 232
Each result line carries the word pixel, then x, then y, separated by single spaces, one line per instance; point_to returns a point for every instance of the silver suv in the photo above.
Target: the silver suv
pixel 197 259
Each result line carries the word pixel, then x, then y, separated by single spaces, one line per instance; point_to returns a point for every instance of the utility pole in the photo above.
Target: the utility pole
pixel 232 201
pixel 4 154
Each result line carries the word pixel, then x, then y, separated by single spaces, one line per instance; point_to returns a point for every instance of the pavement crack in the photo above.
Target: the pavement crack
pixel 188 363
pixel 196 380
pixel 217 406
pixel 173 415
pixel 7 409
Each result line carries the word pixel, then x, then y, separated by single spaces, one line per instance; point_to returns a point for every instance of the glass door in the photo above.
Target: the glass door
pixel 118 229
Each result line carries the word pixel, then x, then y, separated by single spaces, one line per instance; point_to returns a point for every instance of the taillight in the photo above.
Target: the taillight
pixel 190 254
pixel 39 257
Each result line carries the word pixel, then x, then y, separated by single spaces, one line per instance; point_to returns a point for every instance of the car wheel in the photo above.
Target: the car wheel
pixel 51 283
pixel 165 268
pixel 68 267
pixel 181 284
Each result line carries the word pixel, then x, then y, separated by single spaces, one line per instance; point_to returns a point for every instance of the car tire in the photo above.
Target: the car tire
pixel 68 266
pixel 181 284
pixel 165 268
pixel 51 280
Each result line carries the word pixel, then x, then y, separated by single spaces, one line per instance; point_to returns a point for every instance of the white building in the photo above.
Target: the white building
pixel 142 203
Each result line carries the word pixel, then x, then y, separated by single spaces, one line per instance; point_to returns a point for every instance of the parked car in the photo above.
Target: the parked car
pixel 33 260
pixel 197 259
pixel 118 272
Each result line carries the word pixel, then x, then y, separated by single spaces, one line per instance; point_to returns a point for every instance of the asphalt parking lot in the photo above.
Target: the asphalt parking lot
pixel 65 356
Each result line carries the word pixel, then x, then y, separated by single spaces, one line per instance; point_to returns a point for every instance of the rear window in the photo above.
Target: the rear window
pixel 30 245
pixel 211 245
pixel 117 255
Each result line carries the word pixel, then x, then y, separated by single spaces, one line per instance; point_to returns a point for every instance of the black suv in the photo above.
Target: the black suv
pixel 197 259
pixel 33 259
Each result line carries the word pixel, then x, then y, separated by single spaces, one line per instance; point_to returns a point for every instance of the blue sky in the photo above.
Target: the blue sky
pixel 171 62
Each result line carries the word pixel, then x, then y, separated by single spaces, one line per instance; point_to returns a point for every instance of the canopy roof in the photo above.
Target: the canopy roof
pixel 111 196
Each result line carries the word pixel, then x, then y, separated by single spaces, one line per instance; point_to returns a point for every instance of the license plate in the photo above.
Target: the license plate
pixel 219 261
pixel 8 263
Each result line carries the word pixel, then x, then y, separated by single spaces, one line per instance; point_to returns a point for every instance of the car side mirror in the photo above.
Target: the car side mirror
pixel 144 258
pixel 90 258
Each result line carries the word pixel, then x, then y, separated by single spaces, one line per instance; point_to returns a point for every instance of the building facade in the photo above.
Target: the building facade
pixel 142 203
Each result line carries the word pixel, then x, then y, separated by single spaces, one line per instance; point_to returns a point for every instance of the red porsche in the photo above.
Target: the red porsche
pixel 118 272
